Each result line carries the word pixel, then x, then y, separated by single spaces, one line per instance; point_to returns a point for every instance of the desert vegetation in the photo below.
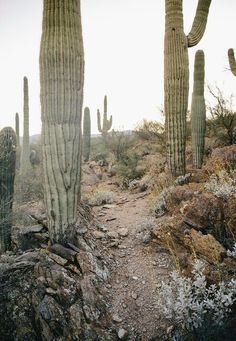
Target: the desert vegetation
pixel 126 234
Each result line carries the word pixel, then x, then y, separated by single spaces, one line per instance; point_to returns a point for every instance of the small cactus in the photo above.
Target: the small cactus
pixel 7 175
pixel 86 134
pixel 106 123
pixel 198 110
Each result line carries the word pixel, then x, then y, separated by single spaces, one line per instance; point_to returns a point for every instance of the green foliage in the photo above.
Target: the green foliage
pixel 118 143
pixel 7 175
pixel 127 168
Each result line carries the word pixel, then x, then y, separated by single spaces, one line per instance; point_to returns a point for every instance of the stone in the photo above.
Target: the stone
pixel 204 212
pixel 207 246
pixel 116 318
pixel 64 252
pixel 123 232
pixel 98 234
pixel 122 334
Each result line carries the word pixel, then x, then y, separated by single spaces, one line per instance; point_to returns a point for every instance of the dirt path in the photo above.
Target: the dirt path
pixel 138 265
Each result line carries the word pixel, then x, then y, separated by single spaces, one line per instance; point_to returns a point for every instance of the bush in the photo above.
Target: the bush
pixel 128 170
pixel 194 308
pixel 101 198
pixel 222 184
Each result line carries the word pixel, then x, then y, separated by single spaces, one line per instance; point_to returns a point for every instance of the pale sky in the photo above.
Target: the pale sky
pixel 123 41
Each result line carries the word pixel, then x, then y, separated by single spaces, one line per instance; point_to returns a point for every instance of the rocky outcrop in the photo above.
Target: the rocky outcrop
pixel 54 293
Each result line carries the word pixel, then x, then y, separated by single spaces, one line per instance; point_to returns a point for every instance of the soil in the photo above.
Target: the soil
pixel 138 265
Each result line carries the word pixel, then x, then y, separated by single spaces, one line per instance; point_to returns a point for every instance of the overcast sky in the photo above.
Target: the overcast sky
pixel 123 42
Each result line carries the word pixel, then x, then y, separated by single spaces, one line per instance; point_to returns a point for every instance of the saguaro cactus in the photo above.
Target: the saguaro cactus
pixel 7 175
pixel 24 162
pixel 232 61
pixel 17 129
pixel 86 134
pixel 61 79
pixel 176 76
pixel 198 110
pixel 106 123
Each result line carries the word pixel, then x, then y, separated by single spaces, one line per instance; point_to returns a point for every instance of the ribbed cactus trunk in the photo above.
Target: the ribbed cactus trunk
pixel 106 123
pixel 86 134
pixel 24 162
pixel 17 130
pixel 61 78
pixel 198 110
pixel 232 61
pixel 7 175
pixel 176 77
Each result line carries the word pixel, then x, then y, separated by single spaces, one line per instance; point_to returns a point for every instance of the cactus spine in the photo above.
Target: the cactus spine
pixel 198 110
pixel 176 77
pixel 61 79
pixel 7 175
pixel 24 162
pixel 86 134
pixel 106 123
pixel 232 61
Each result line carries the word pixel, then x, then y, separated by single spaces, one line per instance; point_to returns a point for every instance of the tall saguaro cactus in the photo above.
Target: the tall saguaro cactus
pixel 106 123
pixel 176 76
pixel 61 79
pixel 17 130
pixel 198 110
pixel 24 162
pixel 7 175
pixel 232 61
pixel 86 134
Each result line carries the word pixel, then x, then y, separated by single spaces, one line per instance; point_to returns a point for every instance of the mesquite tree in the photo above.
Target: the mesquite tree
pixel 198 110
pixel 61 79
pixel 176 76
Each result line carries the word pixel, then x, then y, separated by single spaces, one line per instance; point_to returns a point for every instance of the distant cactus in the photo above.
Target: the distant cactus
pixel 7 175
pixel 17 130
pixel 232 61
pixel 33 157
pixel 198 110
pixel 86 134
pixel 61 79
pixel 106 123
pixel 176 77
pixel 24 162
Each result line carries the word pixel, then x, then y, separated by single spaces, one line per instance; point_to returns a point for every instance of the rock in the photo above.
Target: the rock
pixel 123 232
pixel 116 318
pixel 134 295
pixel 98 234
pixel 30 237
pixel 122 334
pixel 64 252
pixel 205 212
pixel 58 259
pixel 112 234
pixel 207 246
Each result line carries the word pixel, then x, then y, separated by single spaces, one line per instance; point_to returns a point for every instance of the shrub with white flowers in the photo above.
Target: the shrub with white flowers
pixel 194 307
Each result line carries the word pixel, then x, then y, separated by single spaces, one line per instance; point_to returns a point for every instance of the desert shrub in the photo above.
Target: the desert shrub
pixel 222 184
pixel 101 197
pixel 128 169
pixel 29 185
pixel 118 143
pixel 221 125
pixel 232 253
pixel 195 309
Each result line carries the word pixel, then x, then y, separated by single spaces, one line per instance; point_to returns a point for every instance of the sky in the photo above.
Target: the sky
pixel 123 43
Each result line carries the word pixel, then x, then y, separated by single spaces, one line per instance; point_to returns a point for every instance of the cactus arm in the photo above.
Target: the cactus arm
pixel 86 134
pixel 232 61
pixel 105 105
pixel 99 121
pixel 17 130
pixel 199 23
pixel 198 110
pixel 61 93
